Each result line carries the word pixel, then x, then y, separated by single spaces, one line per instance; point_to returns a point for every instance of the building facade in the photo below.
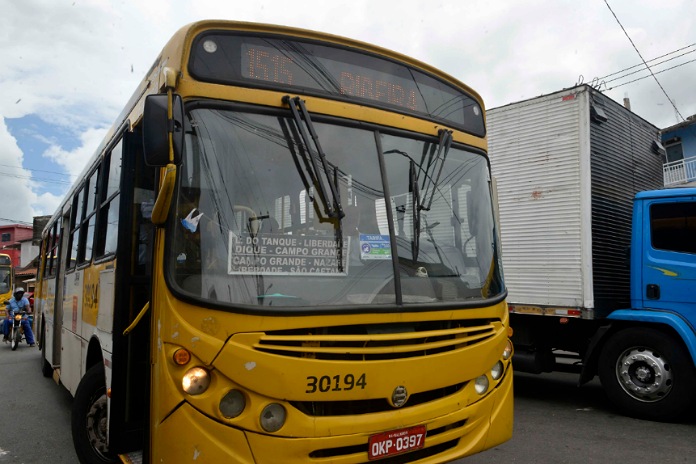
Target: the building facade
pixel 679 142
pixel 11 237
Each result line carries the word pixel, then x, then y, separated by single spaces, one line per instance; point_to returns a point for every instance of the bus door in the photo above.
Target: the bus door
pixel 131 353
pixel 59 264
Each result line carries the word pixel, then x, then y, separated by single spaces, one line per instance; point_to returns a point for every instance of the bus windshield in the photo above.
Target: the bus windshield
pixel 5 279
pixel 252 229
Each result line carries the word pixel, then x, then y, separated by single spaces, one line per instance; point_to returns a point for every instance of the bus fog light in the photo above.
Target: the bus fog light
pixel 273 417
pixel 232 404
pixel 507 352
pixel 497 370
pixel 481 385
pixel 195 381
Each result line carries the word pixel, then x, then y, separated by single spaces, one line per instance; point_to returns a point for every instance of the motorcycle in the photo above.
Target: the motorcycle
pixel 16 330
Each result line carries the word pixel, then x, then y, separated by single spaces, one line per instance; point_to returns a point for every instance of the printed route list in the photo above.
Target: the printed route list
pixel 286 254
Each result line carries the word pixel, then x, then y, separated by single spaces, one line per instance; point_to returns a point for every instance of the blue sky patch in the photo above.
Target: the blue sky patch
pixel 34 136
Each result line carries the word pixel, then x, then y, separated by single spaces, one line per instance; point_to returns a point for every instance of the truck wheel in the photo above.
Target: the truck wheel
pixel 89 419
pixel 647 374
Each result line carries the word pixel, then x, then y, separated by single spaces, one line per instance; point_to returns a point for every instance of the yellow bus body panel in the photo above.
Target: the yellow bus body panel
pixel 235 361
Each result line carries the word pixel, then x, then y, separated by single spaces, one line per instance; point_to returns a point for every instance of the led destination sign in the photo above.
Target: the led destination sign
pixel 270 65
pixel 345 73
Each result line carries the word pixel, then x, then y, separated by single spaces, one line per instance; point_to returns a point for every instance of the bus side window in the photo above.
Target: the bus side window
pixel 107 230
pixel 75 221
pixel 90 217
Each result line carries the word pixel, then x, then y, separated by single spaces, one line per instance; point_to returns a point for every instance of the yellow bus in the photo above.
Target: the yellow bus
pixel 6 279
pixel 284 251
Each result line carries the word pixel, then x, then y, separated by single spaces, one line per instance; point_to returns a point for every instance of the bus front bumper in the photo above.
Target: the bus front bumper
pixel 465 431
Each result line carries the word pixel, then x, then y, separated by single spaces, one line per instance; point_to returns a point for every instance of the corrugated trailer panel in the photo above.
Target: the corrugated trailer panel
pixel 535 148
pixel 623 162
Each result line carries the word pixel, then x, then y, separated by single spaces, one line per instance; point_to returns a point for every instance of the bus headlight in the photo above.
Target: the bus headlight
pixel 481 385
pixel 273 417
pixel 497 370
pixel 195 381
pixel 232 404
pixel 507 352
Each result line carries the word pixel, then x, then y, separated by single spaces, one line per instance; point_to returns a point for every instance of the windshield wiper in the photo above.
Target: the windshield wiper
pixel 434 163
pixel 414 171
pixel 332 206
pixel 416 209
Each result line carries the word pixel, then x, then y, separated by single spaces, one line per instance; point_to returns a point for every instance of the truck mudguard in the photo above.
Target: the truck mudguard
pixel 673 320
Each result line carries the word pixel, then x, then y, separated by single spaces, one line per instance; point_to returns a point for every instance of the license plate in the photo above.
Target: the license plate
pixel 395 442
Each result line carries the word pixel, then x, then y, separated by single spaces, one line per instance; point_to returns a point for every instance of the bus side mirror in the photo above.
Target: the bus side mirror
pixel 157 126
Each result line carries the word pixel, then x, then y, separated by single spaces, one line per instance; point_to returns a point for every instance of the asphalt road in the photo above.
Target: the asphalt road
pixel 555 423
pixel 35 416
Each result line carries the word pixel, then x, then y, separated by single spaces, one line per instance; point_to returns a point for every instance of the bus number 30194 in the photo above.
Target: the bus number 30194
pixel 326 383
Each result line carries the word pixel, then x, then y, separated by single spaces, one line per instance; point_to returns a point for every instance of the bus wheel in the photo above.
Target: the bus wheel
pixel 89 419
pixel 647 374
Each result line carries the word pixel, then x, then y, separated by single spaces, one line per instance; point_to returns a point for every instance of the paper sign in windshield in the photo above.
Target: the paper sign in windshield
pixel 287 254
pixel 374 247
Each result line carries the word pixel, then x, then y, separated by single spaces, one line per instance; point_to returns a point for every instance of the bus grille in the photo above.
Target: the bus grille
pixel 377 342
pixel 346 408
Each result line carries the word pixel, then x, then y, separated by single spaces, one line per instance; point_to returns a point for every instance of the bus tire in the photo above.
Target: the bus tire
pixel 89 416
pixel 647 374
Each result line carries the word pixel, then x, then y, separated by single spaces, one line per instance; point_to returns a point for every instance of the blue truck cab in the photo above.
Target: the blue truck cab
pixel 647 362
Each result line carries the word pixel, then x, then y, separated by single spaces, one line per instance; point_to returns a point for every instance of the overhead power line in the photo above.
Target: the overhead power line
pixel 650 61
pixel 645 77
pixel 644 62
pixel 643 69
pixel 52 180
pixel 16 221
pixel 33 169
pixel 36 179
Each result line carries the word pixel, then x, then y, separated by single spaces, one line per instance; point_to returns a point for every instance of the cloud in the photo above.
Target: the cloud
pixel 75 161
pixel 15 184
pixel 46 204
pixel 75 64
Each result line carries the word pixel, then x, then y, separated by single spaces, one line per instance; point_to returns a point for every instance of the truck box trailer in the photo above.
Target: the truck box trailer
pixel 568 166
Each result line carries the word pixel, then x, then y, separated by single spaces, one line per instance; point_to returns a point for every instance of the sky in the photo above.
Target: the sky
pixel 68 67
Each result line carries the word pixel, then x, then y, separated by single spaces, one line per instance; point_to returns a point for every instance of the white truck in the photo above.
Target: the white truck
pixel 584 294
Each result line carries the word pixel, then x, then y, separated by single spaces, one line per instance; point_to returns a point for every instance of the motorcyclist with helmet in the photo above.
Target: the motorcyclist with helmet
pixel 16 304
